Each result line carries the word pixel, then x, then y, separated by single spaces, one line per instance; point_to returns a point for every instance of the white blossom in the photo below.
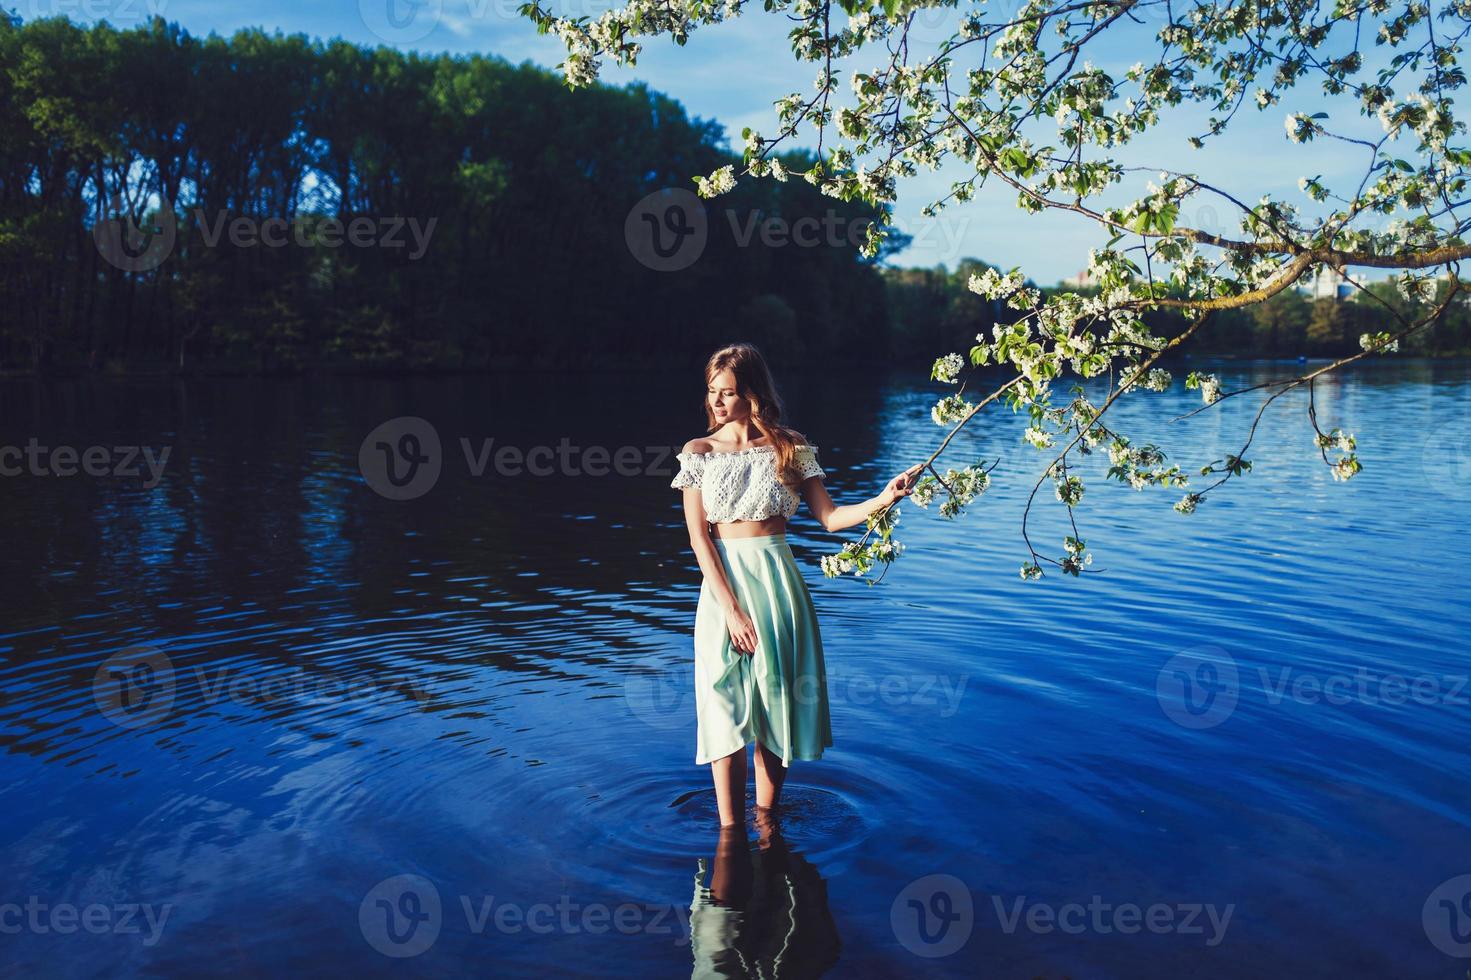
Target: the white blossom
pixel 1299 127
pixel 1036 437
pixel 951 408
pixel 719 182
pixel 1380 341
pixel 947 368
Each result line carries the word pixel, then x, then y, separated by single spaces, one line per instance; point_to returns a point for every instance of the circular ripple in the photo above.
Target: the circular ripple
pixel 655 824
pixel 818 822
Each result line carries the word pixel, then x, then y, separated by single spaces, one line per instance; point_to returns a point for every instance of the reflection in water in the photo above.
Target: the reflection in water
pixel 764 912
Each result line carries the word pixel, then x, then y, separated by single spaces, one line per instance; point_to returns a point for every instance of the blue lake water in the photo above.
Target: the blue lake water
pixel 260 719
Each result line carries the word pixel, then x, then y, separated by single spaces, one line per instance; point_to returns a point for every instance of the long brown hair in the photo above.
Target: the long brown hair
pixel 754 383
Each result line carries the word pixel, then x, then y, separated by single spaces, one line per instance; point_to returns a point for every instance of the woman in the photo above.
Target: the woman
pixel 759 673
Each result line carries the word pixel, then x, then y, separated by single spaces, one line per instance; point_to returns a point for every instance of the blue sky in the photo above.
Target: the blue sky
pixel 733 72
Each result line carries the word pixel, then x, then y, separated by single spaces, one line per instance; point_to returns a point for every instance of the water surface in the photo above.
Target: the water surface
pixel 298 714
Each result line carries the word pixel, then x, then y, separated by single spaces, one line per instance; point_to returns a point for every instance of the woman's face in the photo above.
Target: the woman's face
pixel 724 401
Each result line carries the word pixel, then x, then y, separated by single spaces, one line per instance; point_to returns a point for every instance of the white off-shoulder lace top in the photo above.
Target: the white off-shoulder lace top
pixel 743 485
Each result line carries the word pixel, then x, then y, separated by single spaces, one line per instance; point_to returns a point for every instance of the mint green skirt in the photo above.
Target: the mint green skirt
pixel 779 693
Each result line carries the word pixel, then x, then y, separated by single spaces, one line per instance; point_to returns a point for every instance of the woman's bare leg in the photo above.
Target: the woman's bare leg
pixel 730 787
pixel 768 828
pixel 770 774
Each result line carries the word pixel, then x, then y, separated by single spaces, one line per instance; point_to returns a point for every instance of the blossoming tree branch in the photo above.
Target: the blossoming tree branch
pixel 1012 95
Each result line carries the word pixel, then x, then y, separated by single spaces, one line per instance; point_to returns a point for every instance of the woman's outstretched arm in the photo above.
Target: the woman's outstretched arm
pixel 835 518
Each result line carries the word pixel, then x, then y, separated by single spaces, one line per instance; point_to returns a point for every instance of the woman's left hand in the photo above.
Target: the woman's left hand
pixel 902 485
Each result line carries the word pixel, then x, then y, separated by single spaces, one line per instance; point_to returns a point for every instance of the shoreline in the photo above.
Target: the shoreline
pixel 157 372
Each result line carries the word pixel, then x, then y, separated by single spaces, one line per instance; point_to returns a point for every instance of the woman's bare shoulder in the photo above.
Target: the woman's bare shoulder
pixel 699 444
pixel 800 439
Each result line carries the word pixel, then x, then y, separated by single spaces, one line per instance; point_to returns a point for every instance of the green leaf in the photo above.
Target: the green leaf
pixel 1166 218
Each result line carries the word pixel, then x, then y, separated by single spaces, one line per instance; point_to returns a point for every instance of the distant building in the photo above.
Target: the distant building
pixel 1082 280
pixel 1329 283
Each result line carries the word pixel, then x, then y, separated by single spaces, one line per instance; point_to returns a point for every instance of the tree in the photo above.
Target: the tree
pixel 1325 325
pixel 1281 323
pixel 118 147
pixel 1008 78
